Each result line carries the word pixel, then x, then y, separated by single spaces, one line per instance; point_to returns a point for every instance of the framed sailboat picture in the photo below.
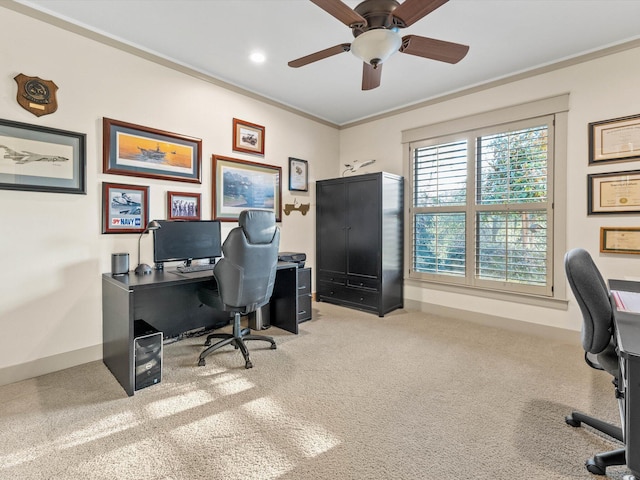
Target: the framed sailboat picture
pixel 139 151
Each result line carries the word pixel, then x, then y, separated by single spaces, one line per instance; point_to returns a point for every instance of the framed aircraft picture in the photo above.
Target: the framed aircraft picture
pixel 125 208
pixel 41 159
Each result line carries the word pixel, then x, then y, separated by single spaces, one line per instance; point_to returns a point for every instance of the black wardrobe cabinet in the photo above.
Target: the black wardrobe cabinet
pixel 359 241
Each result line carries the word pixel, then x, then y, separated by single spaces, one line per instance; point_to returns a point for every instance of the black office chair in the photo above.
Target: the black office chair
pixel 245 276
pixel 598 341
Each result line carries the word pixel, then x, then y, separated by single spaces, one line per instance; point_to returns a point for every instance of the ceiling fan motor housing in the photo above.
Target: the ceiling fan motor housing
pixel 378 14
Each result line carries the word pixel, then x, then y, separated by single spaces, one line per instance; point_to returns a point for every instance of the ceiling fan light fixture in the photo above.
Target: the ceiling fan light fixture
pixel 376 46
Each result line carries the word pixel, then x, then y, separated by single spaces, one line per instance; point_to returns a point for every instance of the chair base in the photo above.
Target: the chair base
pixel 237 339
pixel 599 463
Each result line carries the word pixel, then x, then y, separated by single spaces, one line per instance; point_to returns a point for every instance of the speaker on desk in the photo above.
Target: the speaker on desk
pixel 119 263
pixel 147 354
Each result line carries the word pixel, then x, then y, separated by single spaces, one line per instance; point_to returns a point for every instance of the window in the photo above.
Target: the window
pixel 482 207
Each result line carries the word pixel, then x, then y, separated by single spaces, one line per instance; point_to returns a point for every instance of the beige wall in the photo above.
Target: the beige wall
pixel 53 252
pixel 599 89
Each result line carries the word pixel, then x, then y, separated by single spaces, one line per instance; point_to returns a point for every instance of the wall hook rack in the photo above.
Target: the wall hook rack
pixel 296 206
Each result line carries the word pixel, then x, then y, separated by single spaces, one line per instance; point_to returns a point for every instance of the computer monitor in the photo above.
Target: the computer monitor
pixel 178 240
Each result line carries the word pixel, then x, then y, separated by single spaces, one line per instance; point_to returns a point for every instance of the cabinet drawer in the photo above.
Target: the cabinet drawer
pixel 362 297
pixel 334 278
pixel 360 282
pixel 331 290
pixel 304 308
pixel 304 281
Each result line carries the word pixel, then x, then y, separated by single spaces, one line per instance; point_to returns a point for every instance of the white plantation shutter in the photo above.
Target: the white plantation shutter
pixel 482 208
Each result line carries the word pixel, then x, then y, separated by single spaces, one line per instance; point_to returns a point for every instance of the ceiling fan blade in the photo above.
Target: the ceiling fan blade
pixel 410 11
pixel 314 57
pixel 342 12
pixel 371 76
pixel 434 49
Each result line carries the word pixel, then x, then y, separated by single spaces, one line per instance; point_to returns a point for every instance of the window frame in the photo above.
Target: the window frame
pixel 490 122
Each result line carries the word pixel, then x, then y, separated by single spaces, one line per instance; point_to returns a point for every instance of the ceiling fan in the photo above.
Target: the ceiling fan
pixel 375 25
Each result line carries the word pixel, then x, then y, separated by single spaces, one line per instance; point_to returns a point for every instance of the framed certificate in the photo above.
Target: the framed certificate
pixel 614 140
pixel 620 240
pixel 617 192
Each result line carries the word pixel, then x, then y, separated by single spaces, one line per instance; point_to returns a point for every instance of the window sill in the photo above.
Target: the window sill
pixel 547 302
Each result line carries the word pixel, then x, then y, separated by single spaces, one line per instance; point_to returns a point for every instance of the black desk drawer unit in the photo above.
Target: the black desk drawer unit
pixel 304 294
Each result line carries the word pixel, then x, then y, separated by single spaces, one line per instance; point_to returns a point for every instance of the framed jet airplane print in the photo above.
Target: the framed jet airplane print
pixel 41 159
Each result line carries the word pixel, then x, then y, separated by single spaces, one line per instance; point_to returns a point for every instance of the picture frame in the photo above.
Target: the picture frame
pixel 613 193
pixel 298 175
pixel 129 149
pixel 125 208
pixel 241 184
pixel 248 137
pixel 42 159
pixel 620 240
pixel 615 140
pixel 183 206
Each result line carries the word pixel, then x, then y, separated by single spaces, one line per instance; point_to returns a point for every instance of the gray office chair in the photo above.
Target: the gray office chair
pixel 598 341
pixel 245 276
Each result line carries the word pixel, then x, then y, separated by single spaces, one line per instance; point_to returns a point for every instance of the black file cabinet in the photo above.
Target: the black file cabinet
pixel 304 294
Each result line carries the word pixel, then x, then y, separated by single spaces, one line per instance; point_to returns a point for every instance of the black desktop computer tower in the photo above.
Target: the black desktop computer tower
pixel 147 350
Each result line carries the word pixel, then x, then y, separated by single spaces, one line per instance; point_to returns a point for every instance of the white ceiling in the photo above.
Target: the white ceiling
pixel 215 37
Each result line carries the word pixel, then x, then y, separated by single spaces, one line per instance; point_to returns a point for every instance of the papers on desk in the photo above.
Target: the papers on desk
pixel 626 301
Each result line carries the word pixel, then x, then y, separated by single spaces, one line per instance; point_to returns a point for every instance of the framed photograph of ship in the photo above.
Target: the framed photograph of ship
pixel 139 151
pixel 125 208
pixel 183 206
pixel 240 184
pixel 248 137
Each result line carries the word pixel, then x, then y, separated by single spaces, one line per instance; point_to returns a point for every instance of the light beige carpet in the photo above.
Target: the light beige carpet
pixel 353 396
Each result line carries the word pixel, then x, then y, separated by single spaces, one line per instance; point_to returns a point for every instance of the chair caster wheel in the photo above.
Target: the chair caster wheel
pixel 248 365
pixel 273 346
pixel 572 421
pixel 201 362
pixel 594 468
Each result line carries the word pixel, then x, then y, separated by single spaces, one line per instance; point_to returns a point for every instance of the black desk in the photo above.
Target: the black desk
pixel 168 300
pixel 627 327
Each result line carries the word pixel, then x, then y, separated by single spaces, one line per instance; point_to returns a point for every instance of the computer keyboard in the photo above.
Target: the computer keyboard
pixel 195 268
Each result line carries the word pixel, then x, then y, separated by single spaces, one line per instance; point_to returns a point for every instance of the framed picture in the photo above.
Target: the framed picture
pixel 248 137
pixel 617 192
pixel 183 206
pixel 240 184
pixel 298 175
pixel 620 240
pixel 125 208
pixel 614 140
pixel 138 151
pixel 41 159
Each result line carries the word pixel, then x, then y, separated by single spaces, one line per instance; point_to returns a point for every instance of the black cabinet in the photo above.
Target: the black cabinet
pixel 304 294
pixel 359 241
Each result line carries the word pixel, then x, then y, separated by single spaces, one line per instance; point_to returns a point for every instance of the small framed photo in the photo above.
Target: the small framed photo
pixel 139 151
pixel 298 175
pixel 183 206
pixel 614 140
pixel 617 192
pixel 125 208
pixel 620 240
pixel 41 159
pixel 240 184
pixel 248 137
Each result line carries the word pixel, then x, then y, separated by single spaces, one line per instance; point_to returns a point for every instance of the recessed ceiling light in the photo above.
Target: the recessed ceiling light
pixel 257 57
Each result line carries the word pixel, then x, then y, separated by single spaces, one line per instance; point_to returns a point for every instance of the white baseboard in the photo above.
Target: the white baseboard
pixel 42 366
pixel 563 335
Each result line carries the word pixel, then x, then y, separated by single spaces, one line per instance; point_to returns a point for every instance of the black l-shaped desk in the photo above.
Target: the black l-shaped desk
pixel 627 327
pixel 168 300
